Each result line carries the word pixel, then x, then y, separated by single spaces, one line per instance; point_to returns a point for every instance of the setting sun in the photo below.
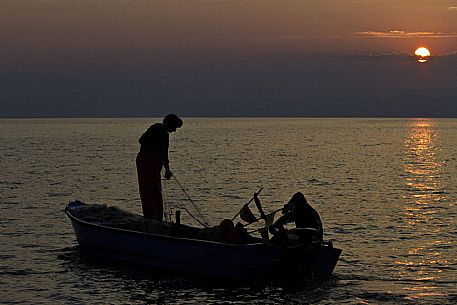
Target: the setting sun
pixel 422 54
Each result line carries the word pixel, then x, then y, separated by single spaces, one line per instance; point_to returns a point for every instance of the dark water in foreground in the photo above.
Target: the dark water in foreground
pixel 385 190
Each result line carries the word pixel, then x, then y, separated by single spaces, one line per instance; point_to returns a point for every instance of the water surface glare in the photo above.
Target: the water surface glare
pixel 385 189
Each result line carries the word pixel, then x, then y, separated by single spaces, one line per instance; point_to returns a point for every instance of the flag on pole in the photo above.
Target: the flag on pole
pixel 246 214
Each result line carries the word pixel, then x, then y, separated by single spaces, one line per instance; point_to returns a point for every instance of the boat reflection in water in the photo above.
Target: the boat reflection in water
pixel 424 220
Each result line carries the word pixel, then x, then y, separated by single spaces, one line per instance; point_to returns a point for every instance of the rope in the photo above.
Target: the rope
pixel 203 221
pixel 196 219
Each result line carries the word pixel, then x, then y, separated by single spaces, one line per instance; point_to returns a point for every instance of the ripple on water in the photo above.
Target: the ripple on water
pixel 385 190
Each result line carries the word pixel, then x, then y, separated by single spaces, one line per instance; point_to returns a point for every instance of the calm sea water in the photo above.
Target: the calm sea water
pixel 385 189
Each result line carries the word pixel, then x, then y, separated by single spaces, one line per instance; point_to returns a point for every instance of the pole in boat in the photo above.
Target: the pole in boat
pixel 247 204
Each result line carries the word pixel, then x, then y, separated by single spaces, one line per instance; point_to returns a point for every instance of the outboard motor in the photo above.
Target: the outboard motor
pixel 308 238
pixel 302 248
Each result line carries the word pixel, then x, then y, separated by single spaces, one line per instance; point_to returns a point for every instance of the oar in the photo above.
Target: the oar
pixel 247 204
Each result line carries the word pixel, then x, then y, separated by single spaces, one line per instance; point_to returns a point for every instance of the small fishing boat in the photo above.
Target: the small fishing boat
pixel 117 234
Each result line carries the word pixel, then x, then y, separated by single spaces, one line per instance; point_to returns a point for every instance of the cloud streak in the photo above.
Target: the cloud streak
pixel 399 34
pixel 444 59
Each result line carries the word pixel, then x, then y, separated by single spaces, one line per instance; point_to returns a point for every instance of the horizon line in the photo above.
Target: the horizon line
pixel 230 117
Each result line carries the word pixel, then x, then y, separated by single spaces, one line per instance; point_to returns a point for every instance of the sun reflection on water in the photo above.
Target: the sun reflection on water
pixel 423 197
pixel 421 165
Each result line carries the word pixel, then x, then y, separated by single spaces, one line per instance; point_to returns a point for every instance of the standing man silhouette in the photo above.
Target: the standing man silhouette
pixel 152 157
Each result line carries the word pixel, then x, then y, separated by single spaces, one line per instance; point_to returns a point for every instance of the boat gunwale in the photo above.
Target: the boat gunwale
pixel 160 236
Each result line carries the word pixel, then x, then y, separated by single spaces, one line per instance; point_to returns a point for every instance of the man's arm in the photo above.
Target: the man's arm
pixel 166 161
pixel 168 173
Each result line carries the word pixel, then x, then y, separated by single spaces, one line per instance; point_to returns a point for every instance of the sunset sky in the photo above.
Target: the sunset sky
pixel 228 58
